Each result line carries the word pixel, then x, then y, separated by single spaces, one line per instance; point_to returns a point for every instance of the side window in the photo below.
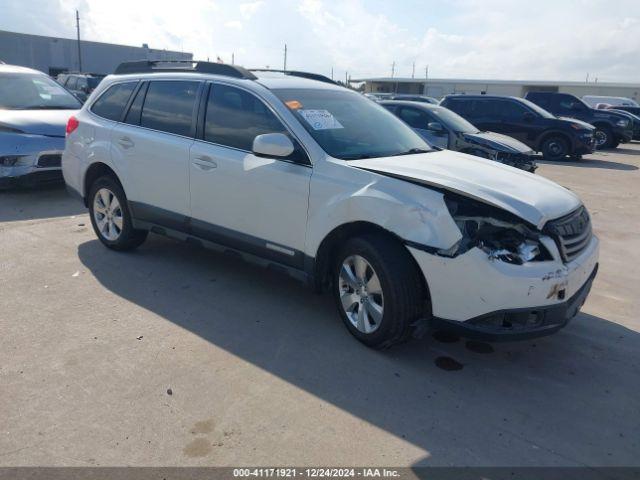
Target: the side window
pixel 511 110
pixel 483 108
pixel 169 106
pixel 461 107
pixel 112 102
pixel 414 118
pixel 72 83
pixel 235 117
pixel 135 111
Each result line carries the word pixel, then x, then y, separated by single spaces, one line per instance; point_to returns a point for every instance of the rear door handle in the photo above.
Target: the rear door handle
pixel 204 162
pixel 126 142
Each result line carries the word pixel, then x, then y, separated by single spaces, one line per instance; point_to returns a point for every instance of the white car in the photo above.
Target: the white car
pixel 298 173
pixel 594 100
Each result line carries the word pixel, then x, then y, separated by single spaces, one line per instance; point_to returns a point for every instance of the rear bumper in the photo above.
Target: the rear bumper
pixel 521 323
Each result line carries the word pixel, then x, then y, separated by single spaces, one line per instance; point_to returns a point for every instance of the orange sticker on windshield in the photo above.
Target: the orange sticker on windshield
pixel 293 104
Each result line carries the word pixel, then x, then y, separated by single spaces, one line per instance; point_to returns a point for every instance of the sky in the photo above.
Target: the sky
pixel 486 39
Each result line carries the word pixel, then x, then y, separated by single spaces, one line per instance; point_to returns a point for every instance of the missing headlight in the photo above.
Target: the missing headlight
pixel 501 235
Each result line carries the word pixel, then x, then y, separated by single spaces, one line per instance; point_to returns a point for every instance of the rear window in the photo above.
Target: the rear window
pixel 111 103
pixel 169 106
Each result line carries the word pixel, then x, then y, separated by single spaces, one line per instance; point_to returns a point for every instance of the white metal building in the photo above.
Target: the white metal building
pixel 53 55
pixel 439 87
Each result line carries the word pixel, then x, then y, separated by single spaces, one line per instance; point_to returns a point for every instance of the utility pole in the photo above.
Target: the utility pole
pixel 78 30
pixel 331 73
pixel 233 58
pixel 587 77
pixel 346 80
pixel 285 58
pixel 393 68
pixel 413 70
pixel 426 79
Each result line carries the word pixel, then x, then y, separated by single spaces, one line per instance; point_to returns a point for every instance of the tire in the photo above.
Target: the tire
pixel 604 138
pixel 554 148
pixel 112 221
pixel 383 313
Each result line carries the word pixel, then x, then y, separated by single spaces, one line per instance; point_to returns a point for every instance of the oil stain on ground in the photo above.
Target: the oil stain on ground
pixel 206 426
pixel 448 364
pixel 199 447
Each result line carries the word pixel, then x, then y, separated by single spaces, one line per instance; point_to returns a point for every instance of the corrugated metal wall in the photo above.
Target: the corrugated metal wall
pixel 51 55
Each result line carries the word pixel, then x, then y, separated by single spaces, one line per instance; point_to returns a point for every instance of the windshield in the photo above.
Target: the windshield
pixel 539 110
pixel 454 121
pixel 349 126
pixel 33 91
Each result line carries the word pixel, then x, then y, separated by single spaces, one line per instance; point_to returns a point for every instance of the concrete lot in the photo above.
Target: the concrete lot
pixel 261 371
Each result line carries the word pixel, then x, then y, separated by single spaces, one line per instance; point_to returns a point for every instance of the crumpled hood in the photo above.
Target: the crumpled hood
pixel 530 197
pixel 51 123
pixel 497 141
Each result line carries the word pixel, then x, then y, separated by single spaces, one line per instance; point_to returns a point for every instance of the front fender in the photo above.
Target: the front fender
pixel 346 194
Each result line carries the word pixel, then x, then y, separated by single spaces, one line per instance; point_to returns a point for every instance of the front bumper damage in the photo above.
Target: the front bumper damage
pixel 479 297
pixel 29 160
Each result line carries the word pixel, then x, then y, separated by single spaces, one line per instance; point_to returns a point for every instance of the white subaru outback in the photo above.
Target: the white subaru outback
pixel 295 172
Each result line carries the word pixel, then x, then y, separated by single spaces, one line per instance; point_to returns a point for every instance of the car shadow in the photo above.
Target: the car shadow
pixel 567 399
pixel 590 163
pixel 38 202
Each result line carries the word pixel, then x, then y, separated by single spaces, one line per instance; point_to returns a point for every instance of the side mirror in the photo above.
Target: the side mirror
pixel 272 145
pixel 435 127
pixel 528 117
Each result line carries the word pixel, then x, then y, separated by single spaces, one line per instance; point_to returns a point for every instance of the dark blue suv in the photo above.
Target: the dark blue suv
pixel 612 128
pixel 556 138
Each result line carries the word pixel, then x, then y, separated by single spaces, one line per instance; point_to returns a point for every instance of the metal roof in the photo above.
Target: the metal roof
pixel 496 82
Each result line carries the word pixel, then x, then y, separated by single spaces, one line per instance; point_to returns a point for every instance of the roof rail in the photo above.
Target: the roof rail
pixel 295 73
pixel 151 66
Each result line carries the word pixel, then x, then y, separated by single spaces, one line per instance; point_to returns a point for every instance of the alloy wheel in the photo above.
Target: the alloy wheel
pixel 107 214
pixel 601 138
pixel 361 294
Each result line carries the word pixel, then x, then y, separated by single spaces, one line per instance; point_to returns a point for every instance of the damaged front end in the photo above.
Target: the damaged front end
pixel 501 235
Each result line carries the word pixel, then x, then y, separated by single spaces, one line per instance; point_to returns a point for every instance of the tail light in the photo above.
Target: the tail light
pixel 72 124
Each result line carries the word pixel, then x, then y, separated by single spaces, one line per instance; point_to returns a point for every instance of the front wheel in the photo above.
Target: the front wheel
pixel 110 216
pixel 378 290
pixel 604 138
pixel 555 148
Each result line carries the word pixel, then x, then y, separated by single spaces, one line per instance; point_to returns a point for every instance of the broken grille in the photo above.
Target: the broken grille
pixel 572 233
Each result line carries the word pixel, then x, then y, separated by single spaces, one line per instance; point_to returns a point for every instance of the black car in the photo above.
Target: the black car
pixel 414 98
pixel 80 84
pixel 634 116
pixel 525 121
pixel 445 129
pixel 612 128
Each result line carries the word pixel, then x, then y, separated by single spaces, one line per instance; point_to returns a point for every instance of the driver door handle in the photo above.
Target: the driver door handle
pixel 126 142
pixel 204 162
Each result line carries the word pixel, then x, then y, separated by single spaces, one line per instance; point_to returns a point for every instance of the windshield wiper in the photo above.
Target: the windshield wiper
pixel 411 152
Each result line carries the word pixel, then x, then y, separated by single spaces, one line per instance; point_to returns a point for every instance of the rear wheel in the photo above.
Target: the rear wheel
pixel 378 290
pixel 604 137
pixel 555 148
pixel 110 216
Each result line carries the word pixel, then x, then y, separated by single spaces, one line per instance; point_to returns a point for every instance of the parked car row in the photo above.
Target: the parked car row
pixel 555 124
pixel 312 179
pixel 80 84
